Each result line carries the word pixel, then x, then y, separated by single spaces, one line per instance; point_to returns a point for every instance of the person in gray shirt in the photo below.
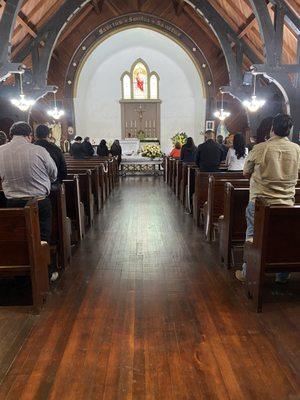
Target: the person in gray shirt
pixel 26 172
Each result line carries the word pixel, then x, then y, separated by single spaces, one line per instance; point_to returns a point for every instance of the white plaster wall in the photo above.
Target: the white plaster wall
pixel 97 108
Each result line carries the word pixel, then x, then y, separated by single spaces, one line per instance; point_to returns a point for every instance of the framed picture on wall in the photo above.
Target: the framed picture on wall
pixel 210 125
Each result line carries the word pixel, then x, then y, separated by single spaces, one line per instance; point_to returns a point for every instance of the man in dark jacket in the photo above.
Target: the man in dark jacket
pixel 209 154
pixel 42 134
pixel 77 150
pixel 87 147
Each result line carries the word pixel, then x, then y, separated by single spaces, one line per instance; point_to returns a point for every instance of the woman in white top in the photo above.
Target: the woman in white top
pixel 236 155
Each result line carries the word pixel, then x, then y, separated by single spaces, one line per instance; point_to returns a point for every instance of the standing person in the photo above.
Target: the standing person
pixel 102 149
pixel 3 138
pixel 42 134
pixel 273 167
pixel 27 171
pixel 264 130
pixel 209 154
pixel 116 151
pixel 175 153
pixel 188 151
pixel 87 147
pixel 220 141
pixel 237 154
pixel 77 150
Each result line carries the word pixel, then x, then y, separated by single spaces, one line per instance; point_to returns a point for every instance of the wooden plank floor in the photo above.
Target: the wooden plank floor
pixel 146 312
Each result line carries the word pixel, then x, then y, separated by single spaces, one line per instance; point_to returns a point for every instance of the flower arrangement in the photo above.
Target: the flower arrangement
pixel 151 151
pixel 180 137
pixel 141 135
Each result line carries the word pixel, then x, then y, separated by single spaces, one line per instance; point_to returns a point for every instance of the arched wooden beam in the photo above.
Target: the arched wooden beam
pixel 7 25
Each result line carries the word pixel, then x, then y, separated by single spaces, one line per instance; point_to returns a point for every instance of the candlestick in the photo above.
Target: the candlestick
pixel 154 124
pixel 146 124
pixel 150 124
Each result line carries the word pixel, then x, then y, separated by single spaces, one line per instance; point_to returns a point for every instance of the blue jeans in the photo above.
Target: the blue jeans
pixel 250 210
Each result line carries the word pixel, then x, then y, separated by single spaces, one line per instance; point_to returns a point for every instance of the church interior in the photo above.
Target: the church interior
pixel 150 199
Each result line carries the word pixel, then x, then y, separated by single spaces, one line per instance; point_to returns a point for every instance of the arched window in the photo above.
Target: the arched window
pixel 126 86
pixel 140 84
pixel 140 81
pixel 153 86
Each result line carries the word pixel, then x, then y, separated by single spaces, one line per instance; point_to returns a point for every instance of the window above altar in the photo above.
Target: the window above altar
pixel 140 83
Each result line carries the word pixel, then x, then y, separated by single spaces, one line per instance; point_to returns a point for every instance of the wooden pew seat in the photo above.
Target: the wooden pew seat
pixel 21 249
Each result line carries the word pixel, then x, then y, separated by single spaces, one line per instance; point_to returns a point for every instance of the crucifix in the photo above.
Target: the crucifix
pixel 140 112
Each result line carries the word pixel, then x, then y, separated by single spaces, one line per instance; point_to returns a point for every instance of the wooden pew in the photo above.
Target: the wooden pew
pixel 178 177
pixel 201 189
pixel 96 190
pixel 214 207
pixel 21 249
pixel 232 225
pixel 190 186
pixel 75 208
pixel 86 196
pixel 61 226
pixel 275 247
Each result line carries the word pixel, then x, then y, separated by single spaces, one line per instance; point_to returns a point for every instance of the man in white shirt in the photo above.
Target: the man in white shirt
pixel 26 172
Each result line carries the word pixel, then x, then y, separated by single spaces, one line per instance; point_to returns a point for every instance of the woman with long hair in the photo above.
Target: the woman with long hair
pixel 237 154
pixel 102 149
pixel 188 151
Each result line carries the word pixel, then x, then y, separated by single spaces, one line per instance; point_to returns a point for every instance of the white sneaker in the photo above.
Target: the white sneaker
pixel 239 274
pixel 54 276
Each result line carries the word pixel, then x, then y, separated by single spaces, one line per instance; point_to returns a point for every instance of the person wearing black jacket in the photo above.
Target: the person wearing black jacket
pixel 188 151
pixel 116 151
pixel 102 149
pixel 87 147
pixel 42 135
pixel 77 150
pixel 209 154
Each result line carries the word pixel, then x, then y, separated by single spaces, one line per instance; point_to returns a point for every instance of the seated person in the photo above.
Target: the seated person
pixel 273 167
pixel 175 153
pixel 188 151
pixel 102 149
pixel 220 141
pixel 42 134
pixel 77 150
pixel 209 154
pixel 237 154
pixel 87 147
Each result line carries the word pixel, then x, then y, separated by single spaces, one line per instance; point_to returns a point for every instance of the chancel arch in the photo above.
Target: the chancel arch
pixel 174 92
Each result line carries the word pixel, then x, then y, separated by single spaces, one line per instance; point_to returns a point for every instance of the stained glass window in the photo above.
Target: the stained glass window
pixel 140 81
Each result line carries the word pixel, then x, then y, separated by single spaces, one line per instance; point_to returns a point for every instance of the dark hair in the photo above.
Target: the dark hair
pixel 102 143
pixel 220 139
pixel 3 138
pixel 42 132
pixel 178 145
pixel 264 129
pixel 239 145
pixel 20 129
pixel 87 139
pixel 78 138
pixel 282 125
pixel 190 143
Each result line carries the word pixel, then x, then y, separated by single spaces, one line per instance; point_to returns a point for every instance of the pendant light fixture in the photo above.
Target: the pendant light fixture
pixel 222 114
pixel 254 104
pixel 55 112
pixel 22 103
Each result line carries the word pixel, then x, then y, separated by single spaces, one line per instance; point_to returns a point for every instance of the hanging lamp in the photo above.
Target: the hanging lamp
pixel 22 103
pixel 55 112
pixel 254 104
pixel 222 114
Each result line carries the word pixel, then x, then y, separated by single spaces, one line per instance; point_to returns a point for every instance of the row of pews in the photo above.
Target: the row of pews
pixel 218 201
pixel 74 206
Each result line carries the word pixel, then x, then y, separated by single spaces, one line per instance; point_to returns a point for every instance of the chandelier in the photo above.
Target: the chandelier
pixel 55 112
pixel 222 114
pixel 254 104
pixel 22 103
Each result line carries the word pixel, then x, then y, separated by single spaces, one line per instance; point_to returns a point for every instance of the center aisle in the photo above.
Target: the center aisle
pixel 146 312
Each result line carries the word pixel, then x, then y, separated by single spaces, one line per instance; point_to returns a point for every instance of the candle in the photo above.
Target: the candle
pixel 146 124
pixel 154 124
pixel 150 124
pixel 135 123
pixel 126 125
pixel 131 124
